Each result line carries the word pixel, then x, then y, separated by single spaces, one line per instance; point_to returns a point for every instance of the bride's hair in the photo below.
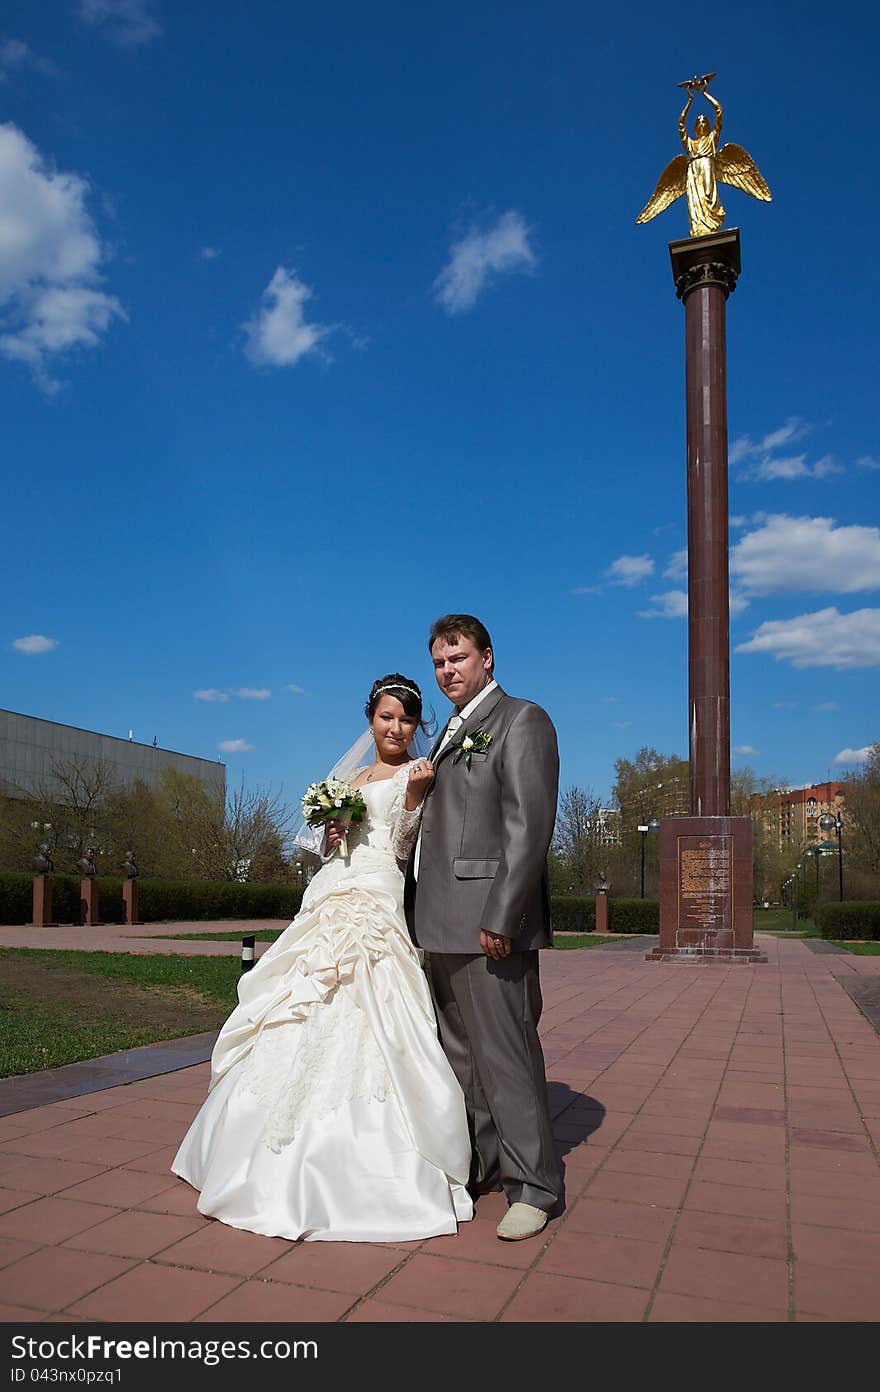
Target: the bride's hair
pixel 404 690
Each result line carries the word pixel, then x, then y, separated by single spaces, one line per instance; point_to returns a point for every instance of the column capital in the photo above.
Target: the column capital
pixel 712 260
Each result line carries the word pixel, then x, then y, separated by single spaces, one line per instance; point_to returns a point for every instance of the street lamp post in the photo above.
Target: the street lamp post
pixel 643 830
pixel 831 822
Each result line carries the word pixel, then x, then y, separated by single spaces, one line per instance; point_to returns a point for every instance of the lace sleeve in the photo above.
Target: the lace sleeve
pixel 403 823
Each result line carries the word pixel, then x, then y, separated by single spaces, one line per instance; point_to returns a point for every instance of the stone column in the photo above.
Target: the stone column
pixel 601 911
pixel 706 859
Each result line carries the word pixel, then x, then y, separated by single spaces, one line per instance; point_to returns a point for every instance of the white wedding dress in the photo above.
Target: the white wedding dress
pixel 333 1114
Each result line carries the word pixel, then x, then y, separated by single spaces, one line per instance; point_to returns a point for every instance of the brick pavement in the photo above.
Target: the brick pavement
pixel 719 1127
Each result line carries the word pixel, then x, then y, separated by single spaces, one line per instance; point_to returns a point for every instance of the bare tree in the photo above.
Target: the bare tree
pixel 577 841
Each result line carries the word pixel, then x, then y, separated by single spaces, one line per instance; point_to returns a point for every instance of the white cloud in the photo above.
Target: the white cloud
pixel 278 334
pixel 737 603
pixel 806 553
pixel 587 589
pixel 236 746
pixel 127 21
pixel 210 253
pixel 677 567
pixel 743 447
pixel 50 255
pixel 763 461
pixel 297 690
pixel 867 461
pixel 853 756
pixel 210 694
pixel 252 693
pixel 629 570
pixel 826 706
pixel 745 750
pixel 826 638
pixel 34 643
pixel 673 604
pixel 480 256
pixel 620 724
pixel 15 54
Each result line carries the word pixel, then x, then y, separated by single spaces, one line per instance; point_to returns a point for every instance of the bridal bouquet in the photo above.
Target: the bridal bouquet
pixel 333 800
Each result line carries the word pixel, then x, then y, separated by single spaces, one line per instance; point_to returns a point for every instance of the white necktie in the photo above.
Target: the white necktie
pixel 454 722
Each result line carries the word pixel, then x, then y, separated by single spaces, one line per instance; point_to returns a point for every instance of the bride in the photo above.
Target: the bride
pixel 332 1113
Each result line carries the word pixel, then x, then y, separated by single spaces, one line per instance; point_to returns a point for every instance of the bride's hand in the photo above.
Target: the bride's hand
pixel 332 836
pixel 421 776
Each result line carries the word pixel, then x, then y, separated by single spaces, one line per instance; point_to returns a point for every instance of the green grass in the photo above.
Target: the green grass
pixel 63 1007
pixel 861 949
pixel 262 935
pixel 780 921
pixel 568 944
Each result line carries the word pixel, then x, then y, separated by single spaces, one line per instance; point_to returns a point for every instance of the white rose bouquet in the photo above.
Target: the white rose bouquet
pixel 333 800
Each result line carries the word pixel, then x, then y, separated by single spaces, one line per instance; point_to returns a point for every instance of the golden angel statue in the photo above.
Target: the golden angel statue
pixel 702 167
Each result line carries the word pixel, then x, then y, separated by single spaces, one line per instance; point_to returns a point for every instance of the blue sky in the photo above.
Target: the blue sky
pixel 319 321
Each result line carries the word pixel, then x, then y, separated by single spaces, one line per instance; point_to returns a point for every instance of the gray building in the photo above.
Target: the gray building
pixel 30 749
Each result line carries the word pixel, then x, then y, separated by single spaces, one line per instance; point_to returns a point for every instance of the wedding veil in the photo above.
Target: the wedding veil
pixel 358 756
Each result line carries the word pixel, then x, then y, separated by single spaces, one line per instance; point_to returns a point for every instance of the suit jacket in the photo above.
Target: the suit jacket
pixel 485 834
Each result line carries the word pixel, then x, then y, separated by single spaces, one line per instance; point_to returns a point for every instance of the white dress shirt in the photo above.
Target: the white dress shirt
pixel 455 720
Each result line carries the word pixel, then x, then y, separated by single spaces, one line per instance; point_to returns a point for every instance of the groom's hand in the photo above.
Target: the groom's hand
pixel 495 945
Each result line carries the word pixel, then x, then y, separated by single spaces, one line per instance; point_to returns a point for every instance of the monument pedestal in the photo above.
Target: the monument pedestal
pixel 88 903
pixel 706 891
pixel 601 911
pixel 130 900
pixel 43 902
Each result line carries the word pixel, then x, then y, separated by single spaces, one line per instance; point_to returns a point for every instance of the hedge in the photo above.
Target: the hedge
pixel 206 900
pixel 158 900
pixel 633 915
pixel 853 918
pixel 572 915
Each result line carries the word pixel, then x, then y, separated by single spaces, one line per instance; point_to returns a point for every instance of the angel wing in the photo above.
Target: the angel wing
pixel 734 166
pixel 670 185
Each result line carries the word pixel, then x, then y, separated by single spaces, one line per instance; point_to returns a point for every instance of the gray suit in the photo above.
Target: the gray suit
pixel 485 834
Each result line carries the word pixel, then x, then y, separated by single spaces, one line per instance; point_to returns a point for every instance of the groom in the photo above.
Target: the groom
pixel 477 903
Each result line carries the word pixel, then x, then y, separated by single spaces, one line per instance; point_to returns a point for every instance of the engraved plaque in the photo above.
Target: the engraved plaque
pixel 705 890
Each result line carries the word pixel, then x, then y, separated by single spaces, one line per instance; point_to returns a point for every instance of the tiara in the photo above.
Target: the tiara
pixel 398 686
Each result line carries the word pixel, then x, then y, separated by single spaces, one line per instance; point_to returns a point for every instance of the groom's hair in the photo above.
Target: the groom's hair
pixel 453 626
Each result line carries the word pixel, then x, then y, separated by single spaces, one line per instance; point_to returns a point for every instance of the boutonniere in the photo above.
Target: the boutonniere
pixel 477 743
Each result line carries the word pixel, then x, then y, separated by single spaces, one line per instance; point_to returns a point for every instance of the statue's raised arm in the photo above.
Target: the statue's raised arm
pixel 699 170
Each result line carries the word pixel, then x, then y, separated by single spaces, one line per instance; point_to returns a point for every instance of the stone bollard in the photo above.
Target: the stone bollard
pixel 130 900
pixel 88 902
pixel 248 952
pixel 43 902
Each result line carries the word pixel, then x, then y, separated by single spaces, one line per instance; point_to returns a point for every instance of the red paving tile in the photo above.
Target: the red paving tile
pixel 52 1277
pixel 728 1233
pixel 472 1289
pixel 151 1293
pixel 133 1234
pixel 52 1219
pixel 726 1276
pixel 673 1100
pixel 687 1309
pixel 215 1247
pixel 268 1301
pixel 354 1267
pixel 545 1297
pixel 839 1293
pixel 836 1247
pixel 623 1261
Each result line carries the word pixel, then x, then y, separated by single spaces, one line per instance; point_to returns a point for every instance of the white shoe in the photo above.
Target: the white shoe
pixel 521 1220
